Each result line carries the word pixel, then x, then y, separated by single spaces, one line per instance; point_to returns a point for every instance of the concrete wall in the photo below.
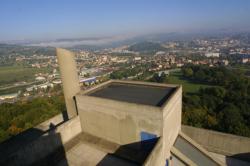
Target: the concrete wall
pixel 118 122
pixel 69 129
pixel 122 122
pixel 44 145
pixel 226 144
pixel 172 120
pixel 194 151
pixel 171 113
pixel 156 157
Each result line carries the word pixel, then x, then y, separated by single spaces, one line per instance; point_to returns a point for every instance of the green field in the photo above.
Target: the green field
pixel 188 86
pixel 13 74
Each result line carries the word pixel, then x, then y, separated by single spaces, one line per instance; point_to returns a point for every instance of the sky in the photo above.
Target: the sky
pixel 55 19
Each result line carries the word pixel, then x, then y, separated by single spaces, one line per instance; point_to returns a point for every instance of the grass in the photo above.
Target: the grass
pixel 187 85
pixel 13 74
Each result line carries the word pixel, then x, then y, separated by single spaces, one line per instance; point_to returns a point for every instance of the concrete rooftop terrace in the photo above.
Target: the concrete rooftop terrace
pixel 88 150
pixel 148 94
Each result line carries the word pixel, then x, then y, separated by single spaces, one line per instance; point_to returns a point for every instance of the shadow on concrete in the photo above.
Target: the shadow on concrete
pixel 33 147
pixel 65 116
pixel 130 154
pixel 243 157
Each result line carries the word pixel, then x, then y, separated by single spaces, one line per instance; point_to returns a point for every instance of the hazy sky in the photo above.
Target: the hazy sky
pixel 51 19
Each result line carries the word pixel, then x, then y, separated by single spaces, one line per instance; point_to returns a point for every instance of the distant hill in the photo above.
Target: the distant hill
pixel 9 49
pixel 146 47
pixel 86 47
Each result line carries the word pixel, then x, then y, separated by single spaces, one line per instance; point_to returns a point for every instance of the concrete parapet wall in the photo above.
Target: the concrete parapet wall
pixel 46 144
pixel 118 122
pixel 44 126
pixel 226 144
pixel 69 129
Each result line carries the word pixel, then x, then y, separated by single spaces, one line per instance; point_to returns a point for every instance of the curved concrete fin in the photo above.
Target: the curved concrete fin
pixel 70 80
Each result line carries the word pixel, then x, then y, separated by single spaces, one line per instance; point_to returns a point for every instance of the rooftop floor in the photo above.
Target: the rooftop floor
pixel 89 150
pixel 87 155
pixel 135 93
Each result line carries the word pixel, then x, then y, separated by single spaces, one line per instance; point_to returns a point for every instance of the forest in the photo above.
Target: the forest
pixel 223 107
pixel 222 103
pixel 17 117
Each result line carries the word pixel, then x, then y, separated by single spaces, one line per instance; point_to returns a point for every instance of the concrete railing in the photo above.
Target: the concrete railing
pixel 44 145
pixel 226 144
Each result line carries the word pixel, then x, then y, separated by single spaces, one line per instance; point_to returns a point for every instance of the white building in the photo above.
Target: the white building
pixel 210 54
pixel 137 58
pixel 39 78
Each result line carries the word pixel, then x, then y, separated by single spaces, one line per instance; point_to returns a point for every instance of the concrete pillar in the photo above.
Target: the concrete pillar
pixel 69 78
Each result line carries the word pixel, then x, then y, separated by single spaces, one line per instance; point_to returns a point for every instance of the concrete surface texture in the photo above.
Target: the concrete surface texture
pixel 86 155
pixel 89 150
pixel 156 157
pixel 171 120
pixel 116 121
pixel 178 158
pixel 177 162
pixel 193 153
pixel 229 161
pixel 14 144
pixel 44 145
pixel 122 121
pixel 218 142
pixel 69 76
pixel 119 121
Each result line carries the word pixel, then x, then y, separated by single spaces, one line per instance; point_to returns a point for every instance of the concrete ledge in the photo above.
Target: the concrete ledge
pixel 222 143
pixel 182 157
pixel 56 120
pixel 199 148
pixel 38 149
